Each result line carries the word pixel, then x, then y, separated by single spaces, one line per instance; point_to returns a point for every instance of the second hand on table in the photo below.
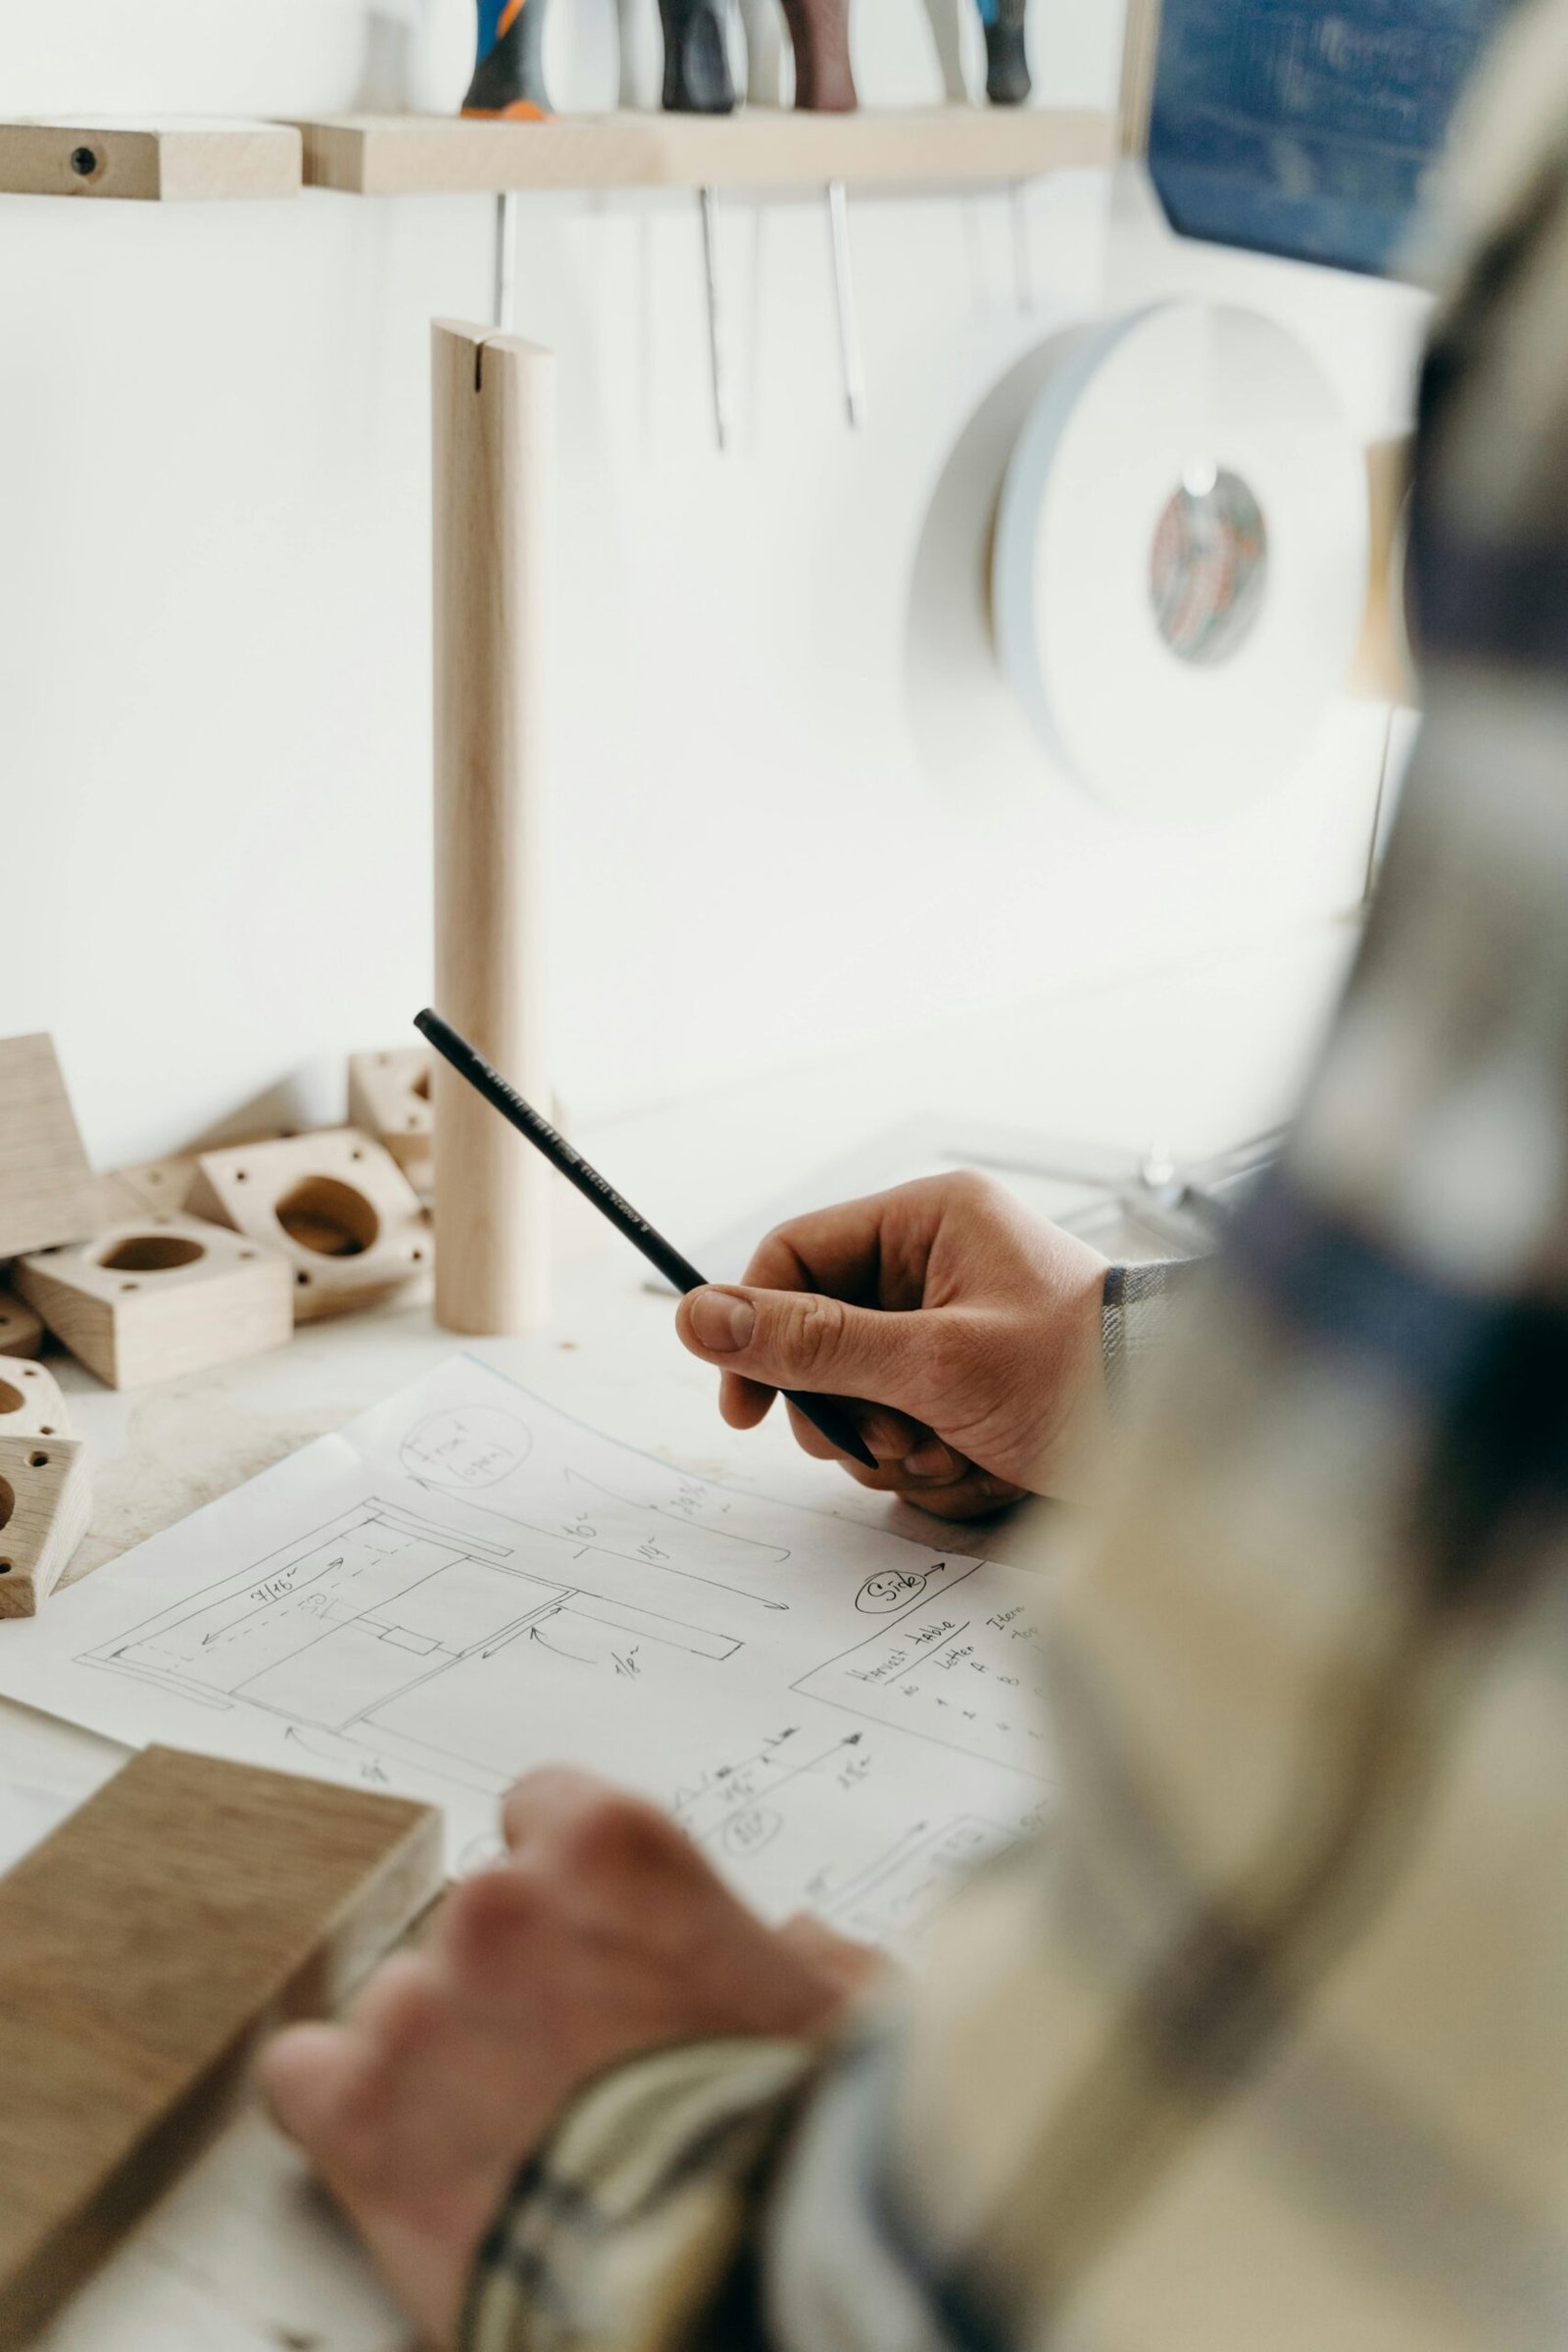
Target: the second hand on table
pixel 823 1414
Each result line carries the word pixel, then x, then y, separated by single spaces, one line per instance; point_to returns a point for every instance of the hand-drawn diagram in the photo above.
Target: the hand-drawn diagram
pixel 968 1678
pixel 893 1588
pixel 474 1446
pixel 337 1630
pixel 782 1790
pixel 467 1583
pixel 737 1809
pixel 903 1889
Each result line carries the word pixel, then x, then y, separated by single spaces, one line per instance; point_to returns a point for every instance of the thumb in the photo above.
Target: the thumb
pixel 804 1339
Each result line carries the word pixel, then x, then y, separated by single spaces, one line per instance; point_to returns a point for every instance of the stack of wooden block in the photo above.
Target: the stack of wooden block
pixel 177 1265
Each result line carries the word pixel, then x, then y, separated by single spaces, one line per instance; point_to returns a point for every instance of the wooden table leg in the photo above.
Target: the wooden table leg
pixel 494 411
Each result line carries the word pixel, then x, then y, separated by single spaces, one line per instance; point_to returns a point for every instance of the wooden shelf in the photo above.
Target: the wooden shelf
pixel 175 162
pixel 410 155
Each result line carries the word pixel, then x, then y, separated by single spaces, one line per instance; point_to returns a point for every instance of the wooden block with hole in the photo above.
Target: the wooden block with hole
pixel 337 1202
pixel 146 1949
pixel 159 1295
pixel 45 1505
pixel 21 1326
pixel 30 1402
pixel 389 1097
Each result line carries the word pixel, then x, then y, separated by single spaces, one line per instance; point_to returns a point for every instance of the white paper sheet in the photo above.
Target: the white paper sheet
pixel 467 1583
pixel 27 1814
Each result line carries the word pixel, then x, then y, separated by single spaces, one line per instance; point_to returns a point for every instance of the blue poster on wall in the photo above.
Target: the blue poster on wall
pixel 1308 129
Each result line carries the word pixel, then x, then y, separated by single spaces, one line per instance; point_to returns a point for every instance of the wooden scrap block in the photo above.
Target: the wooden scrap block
pixel 145 1949
pixel 337 1202
pixel 161 1183
pixel 389 1097
pixel 48 1192
pixel 20 1328
pixel 45 1505
pixel 179 160
pixel 159 1295
pixel 30 1402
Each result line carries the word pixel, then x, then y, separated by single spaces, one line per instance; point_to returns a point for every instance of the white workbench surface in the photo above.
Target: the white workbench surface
pixel 243 2254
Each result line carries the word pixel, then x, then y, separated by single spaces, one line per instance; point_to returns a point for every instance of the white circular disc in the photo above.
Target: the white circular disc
pixel 1189 425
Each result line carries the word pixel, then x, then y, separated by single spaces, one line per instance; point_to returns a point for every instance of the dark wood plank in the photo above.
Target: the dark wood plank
pixel 145 1949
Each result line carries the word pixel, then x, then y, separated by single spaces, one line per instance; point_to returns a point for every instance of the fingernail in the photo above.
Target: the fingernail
pixel 932 1459
pixel 721 1321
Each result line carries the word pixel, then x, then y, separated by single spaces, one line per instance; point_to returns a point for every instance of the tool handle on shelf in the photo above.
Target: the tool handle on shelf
pixel 508 77
pixel 819 33
pixel 1007 81
pixel 697 75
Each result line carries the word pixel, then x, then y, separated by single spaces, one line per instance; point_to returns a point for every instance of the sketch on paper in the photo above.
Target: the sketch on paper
pixel 476 1447
pixel 970 1679
pixel 336 1632
pixel 466 1583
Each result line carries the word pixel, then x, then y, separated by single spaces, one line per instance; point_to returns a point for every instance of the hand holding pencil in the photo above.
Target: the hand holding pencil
pixel 829 1419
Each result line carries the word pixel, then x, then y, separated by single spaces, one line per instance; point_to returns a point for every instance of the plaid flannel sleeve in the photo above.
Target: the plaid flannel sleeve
pixel 635 2225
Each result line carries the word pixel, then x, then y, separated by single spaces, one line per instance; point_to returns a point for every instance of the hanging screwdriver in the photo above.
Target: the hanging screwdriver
pixel 1007 83
pixel 508 87
pixel 1006 55
pixel 697 81
pixel 824 84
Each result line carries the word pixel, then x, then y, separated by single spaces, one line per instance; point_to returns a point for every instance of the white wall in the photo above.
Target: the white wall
pixel 213 594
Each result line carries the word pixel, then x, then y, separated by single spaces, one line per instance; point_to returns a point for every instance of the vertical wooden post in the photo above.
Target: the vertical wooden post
pixel 1140 62
pixel 495 439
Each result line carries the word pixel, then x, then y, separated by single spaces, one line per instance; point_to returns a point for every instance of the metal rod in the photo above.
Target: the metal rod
pixel 505 254
pixel 715 353
pixel 1023 276
pixel 838 213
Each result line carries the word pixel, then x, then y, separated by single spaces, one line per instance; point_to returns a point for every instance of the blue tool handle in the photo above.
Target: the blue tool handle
pixel 509 75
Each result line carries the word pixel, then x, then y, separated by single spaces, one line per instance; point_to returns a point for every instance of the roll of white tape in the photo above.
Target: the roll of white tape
pixel 1180 562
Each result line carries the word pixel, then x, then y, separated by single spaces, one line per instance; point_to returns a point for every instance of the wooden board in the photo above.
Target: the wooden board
pixel 157 1296
pixel 144 1949
pixel 48 1192
pixel 150 163
pixel 761 147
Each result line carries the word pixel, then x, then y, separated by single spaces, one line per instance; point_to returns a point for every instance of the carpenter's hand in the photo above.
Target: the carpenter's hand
pixel 974 1325
pixel 605 1933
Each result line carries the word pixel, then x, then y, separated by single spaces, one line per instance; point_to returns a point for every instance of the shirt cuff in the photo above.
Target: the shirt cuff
pixel 1137 1307
pixel 635 2217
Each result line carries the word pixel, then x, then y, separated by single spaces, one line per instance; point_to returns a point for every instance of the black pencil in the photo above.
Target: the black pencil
pixel 822 1413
